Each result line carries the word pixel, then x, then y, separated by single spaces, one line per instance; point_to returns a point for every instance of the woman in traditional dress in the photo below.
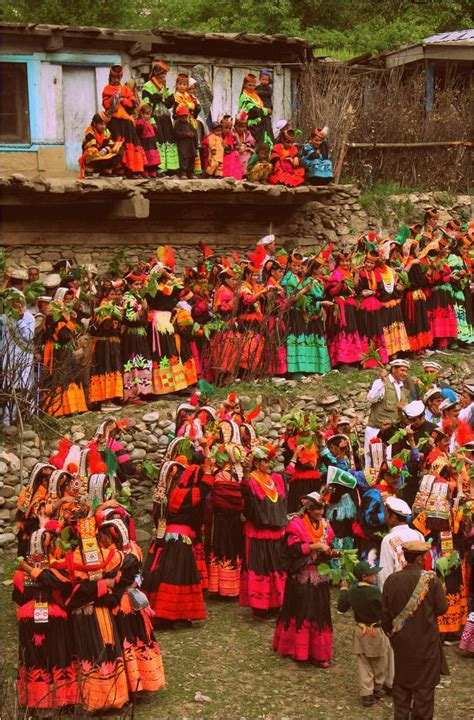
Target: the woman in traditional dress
pixel 146 131
pixel 95 572
pixel 120 101
pixel 171 577
pixel 163 289
pixel 64 389
pixel 226 529
pixel 441 312
pixel 161 100
pixel 250 342
pixel 414 305
pixel 183 98
pixel 141 654
pixel 306 348
pixel 30 499
pixel 46 671
pixel 100 154
pixel 460 278
pixel 303 475
pixel 252 104
pixel 136 354
pixel 343 339
pixel 369 289
pixel 287 169
pixel 265 510
pixel 224 358
pixel 304 627
pixel 275 307
pixel 106 380
pixel 394 330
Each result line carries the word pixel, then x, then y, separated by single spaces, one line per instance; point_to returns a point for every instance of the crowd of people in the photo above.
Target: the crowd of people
pixel 393 530
pixel 137 332
pixel 171 132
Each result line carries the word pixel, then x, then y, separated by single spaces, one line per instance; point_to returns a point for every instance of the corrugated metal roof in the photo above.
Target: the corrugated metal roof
pixel 464 37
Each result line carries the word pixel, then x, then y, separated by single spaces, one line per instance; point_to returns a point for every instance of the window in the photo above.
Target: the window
pixel 14 115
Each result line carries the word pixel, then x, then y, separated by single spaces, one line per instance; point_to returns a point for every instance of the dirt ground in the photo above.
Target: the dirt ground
pixel 228 660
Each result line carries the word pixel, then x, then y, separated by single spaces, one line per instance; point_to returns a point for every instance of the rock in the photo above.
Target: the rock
pixel 29 462
pixel 275 416
pixel 143 535
pixel 79 435
pixel 151 417
pixel 200 698
pixel 11 430
pixel 7 492
pixel 3 468
pixel 163 441
pixel 138 454
pixel 28 435
pixel 4 514
pixel 329 400
pixel 164 423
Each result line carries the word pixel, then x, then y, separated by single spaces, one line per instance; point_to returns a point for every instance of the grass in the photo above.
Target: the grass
pixel 229 660
pixel 376 199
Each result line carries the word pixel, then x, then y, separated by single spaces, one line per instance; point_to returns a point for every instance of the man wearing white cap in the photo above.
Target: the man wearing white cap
pixel 269 243
pixel 430 367
pixel 385 396
pixel 433 399
pixel 392 559
pixel 466 414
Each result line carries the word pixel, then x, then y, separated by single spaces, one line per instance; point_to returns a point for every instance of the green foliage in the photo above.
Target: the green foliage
pixel 342 28
pixel 446 564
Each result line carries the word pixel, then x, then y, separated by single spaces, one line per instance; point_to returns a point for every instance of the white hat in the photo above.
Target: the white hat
pixel 314 496
pixel 448 403
pixel 52 280
pixel 18 274
pixel 280 124
pixel 398 506
pixel 44 298
pixel 432 392
pixel 469 387
pixel 399 362
pixel 343 420
pixel 267 240
pixel 432 364
pixel 414 409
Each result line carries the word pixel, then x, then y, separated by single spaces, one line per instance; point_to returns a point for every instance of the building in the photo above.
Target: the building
pixel 52 79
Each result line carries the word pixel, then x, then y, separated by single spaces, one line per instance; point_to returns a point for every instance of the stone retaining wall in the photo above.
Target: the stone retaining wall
pixel 88 227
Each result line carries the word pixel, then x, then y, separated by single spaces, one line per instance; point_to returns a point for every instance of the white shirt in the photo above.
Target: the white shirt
pixel 377 391
pixel 391 553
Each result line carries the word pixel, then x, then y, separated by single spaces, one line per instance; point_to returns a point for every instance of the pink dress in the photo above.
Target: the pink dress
pixel 232 166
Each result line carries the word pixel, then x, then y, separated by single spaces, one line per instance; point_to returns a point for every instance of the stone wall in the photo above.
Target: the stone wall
pixel 151 427
pixel 91 222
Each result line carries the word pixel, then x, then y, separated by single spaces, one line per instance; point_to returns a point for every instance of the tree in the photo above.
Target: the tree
pixel 350 27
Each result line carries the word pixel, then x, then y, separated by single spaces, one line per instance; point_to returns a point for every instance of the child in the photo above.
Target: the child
pixel 265 92
pixel 370 644
pixel 315 158
pixel 186 139
pixel 215 145
pixel 245 139
pixel 259 166
pixel 146 131
pixel 286 163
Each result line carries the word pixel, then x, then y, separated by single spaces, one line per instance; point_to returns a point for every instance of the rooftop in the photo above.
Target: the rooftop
pixel 165 40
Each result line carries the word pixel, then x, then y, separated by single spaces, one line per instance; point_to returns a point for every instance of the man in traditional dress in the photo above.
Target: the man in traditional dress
pixel 413 598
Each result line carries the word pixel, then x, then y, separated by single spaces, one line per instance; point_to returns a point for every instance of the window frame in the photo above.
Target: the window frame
pixel 22 60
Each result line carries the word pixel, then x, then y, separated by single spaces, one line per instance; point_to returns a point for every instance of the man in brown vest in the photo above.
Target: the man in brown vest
pixel 387 394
